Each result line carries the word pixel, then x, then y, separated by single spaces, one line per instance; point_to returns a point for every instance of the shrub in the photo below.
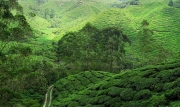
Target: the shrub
pixel 168 86
pixel 175 104
pixel 143 95
pixel 127 94
pixel 156 101
pixel 65 93
pixel 88 74
pixel 91 93
pixel 73 104
pixel 114 91
pixel 103 98
pixel 83 99
pixel 173 94
pixel 177 83
pixel 134 104
pixel 112 101
pixel 165 76
pixel 158 87
pixel 30 103
pixel 148 73
pixel 145 83
pixel 106 85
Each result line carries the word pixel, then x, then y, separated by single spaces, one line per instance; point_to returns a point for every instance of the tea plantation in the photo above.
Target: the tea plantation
pixel 150 86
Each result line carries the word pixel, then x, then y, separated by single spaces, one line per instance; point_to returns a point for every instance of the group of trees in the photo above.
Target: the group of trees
pixel 174 3
pixel 93 49
pixel 23 78
pixel 134 2
pixel 124 3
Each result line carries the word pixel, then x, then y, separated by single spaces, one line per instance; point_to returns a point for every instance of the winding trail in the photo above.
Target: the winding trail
pixel 48 97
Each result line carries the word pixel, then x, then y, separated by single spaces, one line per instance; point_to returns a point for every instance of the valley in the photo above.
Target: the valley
pixel 92 53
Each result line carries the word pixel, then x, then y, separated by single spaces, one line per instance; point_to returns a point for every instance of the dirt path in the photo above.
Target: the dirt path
pixel 48 97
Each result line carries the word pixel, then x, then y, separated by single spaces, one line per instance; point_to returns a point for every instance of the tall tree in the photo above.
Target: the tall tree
pixel 114 43
pixel 170 3
pixel 145 40
pixel 89 32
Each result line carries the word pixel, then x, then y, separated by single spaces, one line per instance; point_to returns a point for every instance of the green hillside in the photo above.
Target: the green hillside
pixel 74 15
pixel 163 21
pixel 149 86
pixel 71 14
pixel 92 53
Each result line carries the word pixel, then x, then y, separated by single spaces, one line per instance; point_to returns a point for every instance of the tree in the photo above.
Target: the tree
pixel 69 49
pixel 113 47
pixel 52 13
pixel 88 32
pixel 170 3
pixel 46 13
pixel 145 41
pixel 93 49
pixel 134 2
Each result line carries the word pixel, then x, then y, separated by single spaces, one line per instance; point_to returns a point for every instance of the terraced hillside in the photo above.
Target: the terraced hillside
pixel 63 14
pixel 76 84
pixel 164 21
pixel 150 86
pixel 71 15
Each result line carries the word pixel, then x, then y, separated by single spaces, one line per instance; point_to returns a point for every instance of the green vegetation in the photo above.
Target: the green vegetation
pixel 170 3
pixel 149 86
pixel 60 15
pixel 24 71
pixel 91 49
pixel 89 53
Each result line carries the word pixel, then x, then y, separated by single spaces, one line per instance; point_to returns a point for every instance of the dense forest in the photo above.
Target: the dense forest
pixel 92 53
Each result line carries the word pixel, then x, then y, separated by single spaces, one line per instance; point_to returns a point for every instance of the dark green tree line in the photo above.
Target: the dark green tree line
pixel 93 49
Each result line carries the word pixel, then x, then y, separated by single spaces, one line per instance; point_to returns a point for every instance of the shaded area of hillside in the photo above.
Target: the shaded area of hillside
pixel 149 86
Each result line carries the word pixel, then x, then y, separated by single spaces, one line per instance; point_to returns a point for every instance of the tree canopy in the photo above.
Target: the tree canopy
pixel 92 49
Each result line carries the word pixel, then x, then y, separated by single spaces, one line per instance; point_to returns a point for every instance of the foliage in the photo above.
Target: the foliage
pixel 28 65
pixel 150 47
pixel 90 48
pixel 170 3
pixel 177 4
pixel 131 88
pixel 24 77
pixel 134 2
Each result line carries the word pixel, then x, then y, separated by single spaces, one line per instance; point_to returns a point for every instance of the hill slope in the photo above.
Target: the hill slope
pixel 71 15
pixel 162 18
pixel 149 86
pixel 63 15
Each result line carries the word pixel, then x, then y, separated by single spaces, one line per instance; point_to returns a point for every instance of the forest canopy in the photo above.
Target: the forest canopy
pixel 93 49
